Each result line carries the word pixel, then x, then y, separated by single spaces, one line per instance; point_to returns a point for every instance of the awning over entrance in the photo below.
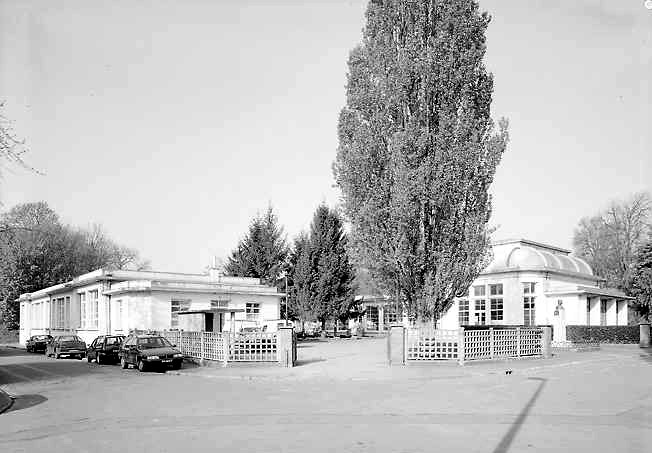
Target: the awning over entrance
pixel 212 310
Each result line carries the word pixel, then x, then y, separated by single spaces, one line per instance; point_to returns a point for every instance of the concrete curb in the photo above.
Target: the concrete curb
pixel 6 401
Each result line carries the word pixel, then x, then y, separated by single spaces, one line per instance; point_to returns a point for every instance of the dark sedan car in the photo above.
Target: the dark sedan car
pixel 66 345
pixel 149 351
pixel 37 343
pixel 104 349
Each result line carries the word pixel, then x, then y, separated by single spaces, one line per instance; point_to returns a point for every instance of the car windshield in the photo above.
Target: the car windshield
pixel 41 337
pixel 113 340
pixel 153 342
pixel 69 338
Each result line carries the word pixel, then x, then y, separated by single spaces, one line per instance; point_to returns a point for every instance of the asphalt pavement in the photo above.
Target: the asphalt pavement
pixel 597 401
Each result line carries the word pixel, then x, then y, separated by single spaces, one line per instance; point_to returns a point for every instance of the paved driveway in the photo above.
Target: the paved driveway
pixel 580 402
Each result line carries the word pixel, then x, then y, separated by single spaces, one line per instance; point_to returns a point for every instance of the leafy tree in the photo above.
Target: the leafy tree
pixel 263 251
pixel 640 281
pixel 37 251
pixel 608 241
pixel 418 149
pixel 12 149
pixel 331 284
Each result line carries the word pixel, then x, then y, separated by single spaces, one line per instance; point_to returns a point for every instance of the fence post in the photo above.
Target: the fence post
pixel 284 353
pixel 396 346
pixel 460 345
pixel 491 341
pixel 546 338
pixel 201 347
pixel 226 338
pixel 518 342
pixel 644 332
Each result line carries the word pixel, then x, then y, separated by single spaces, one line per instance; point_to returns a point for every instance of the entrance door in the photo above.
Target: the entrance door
pixel 208 322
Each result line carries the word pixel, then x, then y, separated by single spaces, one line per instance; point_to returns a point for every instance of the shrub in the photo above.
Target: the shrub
pixel 603 334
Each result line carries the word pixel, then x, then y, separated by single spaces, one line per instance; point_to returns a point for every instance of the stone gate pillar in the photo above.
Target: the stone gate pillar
pixel 396 346
pixel 644 340
pixel 285 346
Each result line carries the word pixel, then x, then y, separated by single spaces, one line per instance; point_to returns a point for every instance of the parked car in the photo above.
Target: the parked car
pixel 104 349
pixel 37 343
pixel 66 345
pixel 149 351
pixel 337 332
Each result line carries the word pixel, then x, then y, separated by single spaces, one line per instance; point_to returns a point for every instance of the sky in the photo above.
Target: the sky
pixel 173 123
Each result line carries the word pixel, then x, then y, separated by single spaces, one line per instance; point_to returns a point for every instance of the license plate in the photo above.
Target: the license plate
pixel 167 360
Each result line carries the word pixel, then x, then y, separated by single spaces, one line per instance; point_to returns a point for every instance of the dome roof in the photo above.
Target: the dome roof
pixel 524 256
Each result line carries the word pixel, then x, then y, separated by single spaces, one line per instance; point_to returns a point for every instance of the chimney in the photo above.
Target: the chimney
pixel 214 271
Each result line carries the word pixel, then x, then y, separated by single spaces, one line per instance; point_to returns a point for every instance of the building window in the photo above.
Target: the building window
pixel 252 310
pixel 93 304
pixel 59 313
pixel 528 288
pixel 83 309
pixel 118 314
pixel 588 311
pixel 479 291
pixel 67 313
pixel 390 315
pixel 175 307
pixel 603 312
pixel 372 317
pixel 528 311
pixel 496 290
pixel 464 312
pixel 480 312
pixel 497 309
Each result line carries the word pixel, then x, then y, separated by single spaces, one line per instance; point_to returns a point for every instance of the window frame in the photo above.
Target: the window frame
pixel 496 311
pixel 464 312
pixel 252 310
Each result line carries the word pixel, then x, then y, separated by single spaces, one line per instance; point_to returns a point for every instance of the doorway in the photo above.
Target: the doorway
pixel 208 322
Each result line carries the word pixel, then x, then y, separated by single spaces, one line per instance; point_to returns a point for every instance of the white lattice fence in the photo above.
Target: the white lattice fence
pixel 500 343
pixel 213 345
pixel 477 344
pixel 531 340
pixel 253 347
pixel 430 344
pixel 425 344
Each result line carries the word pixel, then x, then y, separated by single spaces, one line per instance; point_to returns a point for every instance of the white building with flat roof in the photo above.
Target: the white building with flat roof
pixel 114 302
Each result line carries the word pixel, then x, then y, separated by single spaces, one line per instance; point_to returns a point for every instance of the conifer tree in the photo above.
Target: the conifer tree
pixel 262 253
pixel 331 286
pixel 418 149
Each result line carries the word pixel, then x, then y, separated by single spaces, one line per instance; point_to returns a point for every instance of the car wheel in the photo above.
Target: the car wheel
pixel 141 365
pixel 176 366
pixel 123 363
pixel 97 359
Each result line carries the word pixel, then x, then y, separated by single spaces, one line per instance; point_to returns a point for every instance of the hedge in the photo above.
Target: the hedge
pixel 603 334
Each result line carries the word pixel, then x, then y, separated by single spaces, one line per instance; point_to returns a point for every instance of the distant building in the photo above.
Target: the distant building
pixel 117 301
pixel 527 283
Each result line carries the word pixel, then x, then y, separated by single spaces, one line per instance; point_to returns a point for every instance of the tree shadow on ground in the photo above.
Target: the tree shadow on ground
pixel 508 438
pixel 25 402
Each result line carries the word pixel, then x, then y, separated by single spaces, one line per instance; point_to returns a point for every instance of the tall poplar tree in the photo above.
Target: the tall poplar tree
pixel 418 149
